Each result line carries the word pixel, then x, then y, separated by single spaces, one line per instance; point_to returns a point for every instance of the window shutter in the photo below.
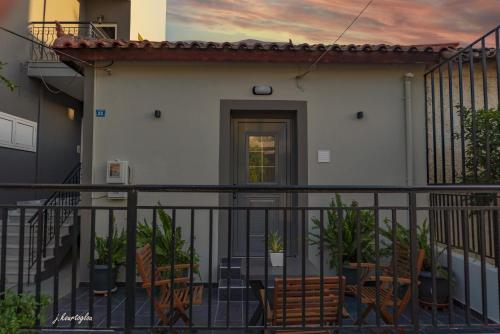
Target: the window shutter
pixel 17 133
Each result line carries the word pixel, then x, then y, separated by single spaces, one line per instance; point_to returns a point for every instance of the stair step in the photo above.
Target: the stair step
pixel 234 283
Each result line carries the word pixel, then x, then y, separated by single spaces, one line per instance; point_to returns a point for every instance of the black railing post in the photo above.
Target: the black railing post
pixel 130 266
pixel 3 244
pixel 413 251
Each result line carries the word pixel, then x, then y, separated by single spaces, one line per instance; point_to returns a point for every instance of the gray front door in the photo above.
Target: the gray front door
pixel 262 151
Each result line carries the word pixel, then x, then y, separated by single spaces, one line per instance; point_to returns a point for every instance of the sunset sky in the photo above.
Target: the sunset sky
pixel 385 21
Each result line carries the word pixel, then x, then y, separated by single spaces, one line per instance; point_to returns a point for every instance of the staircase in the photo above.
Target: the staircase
pixel 24 247
pixel 14 251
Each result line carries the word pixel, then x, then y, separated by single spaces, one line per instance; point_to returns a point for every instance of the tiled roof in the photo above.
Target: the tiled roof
pixel 74 42
pixel 245 51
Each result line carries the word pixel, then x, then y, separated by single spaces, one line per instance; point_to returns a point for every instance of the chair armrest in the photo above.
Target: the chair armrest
pixel 177 267
pixel 366 265
pixel 165 282
pixel 390 279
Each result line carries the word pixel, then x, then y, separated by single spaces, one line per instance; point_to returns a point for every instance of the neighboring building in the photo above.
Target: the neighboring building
pixel 40 121
pixel 38 143
pixel 345 123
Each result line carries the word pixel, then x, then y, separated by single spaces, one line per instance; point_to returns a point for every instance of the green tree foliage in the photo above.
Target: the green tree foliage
pixel 6 81
pixel 482 149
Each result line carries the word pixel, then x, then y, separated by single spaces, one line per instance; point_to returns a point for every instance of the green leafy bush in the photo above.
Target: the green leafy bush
pixel 164 241
pixel 18 312
pixel 487 145
pixel 118 248
pixel 348 220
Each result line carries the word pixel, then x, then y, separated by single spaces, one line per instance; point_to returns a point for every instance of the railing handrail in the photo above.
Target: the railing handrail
pixel 51 201
pixel 68 22
pixel 248 188
pixel 462 50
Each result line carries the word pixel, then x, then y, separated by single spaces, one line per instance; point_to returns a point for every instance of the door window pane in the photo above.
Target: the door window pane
pixel 261 159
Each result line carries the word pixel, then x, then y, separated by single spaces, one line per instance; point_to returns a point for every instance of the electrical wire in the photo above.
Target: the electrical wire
pixel 55 92
pixel 313 66
pixel 106 67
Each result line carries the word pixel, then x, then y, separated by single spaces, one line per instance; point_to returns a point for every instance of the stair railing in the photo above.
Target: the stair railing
pixel 66 199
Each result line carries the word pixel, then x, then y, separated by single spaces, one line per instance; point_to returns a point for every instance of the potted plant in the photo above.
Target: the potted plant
pixel 348 218
pixel 425 291
pixel 102 270
pixel 275 249
pixel 164 242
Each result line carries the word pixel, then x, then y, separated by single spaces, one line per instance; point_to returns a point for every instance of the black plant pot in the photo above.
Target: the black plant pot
pixel 101 279
pixel 351 275
pixel 425 292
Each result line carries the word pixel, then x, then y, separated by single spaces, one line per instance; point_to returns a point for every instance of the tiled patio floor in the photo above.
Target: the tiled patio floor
pixel 237 312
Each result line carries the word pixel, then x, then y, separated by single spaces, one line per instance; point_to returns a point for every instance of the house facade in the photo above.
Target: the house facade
pixel 357 119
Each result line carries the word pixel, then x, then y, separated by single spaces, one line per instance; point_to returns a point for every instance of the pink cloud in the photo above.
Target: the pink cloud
pixel 387 21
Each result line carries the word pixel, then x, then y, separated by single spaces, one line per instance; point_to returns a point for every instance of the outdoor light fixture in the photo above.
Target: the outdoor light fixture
pixel 262 90
pixel 157 113
pixel 71 114
pixel 360 115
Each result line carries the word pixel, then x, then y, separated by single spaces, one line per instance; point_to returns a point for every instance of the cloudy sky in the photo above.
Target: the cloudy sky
pixel 385 21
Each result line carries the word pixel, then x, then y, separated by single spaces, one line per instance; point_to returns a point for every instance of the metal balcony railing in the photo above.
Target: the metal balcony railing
pixel 463 114
pixel 46 32
pixel 342 259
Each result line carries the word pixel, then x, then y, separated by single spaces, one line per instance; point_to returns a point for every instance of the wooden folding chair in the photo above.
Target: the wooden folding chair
pixel 400 263
pixel 167 309
pixel 389 296
pixel 290 296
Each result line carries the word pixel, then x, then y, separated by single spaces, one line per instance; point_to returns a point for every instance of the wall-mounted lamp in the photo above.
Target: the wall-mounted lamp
pixel 262 90
pixel 360 115
pixel 157 114
pixel 71 114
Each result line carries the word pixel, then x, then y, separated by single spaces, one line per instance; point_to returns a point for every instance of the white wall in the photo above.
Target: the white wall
pixel 475 285
pixel 148 18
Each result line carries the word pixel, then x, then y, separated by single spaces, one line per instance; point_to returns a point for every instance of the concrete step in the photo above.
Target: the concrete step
pixel 234 272
pixel 32 202
pixel 237 290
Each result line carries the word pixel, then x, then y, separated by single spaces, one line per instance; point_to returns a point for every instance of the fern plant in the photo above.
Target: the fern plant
pixel 164 241
pixel 403 238
pixel 18 312
pixel 118 248
pixel 346 218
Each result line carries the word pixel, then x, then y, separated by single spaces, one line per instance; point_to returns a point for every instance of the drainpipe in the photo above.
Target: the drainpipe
pixel 410 176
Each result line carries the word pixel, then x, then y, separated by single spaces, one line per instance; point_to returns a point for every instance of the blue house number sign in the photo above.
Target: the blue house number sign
pixel 100 113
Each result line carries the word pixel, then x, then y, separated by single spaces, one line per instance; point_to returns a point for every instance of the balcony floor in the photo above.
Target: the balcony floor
pixel 237 314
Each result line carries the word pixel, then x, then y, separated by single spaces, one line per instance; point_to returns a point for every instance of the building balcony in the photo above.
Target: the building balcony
pixel 45 64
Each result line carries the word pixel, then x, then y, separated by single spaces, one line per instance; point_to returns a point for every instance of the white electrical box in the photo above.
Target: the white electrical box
pixel 117 172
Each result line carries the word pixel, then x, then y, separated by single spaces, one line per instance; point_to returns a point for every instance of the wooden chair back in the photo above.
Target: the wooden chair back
pixel 408 293
pixel 144 263
pixel 401 262
pixel 291 294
